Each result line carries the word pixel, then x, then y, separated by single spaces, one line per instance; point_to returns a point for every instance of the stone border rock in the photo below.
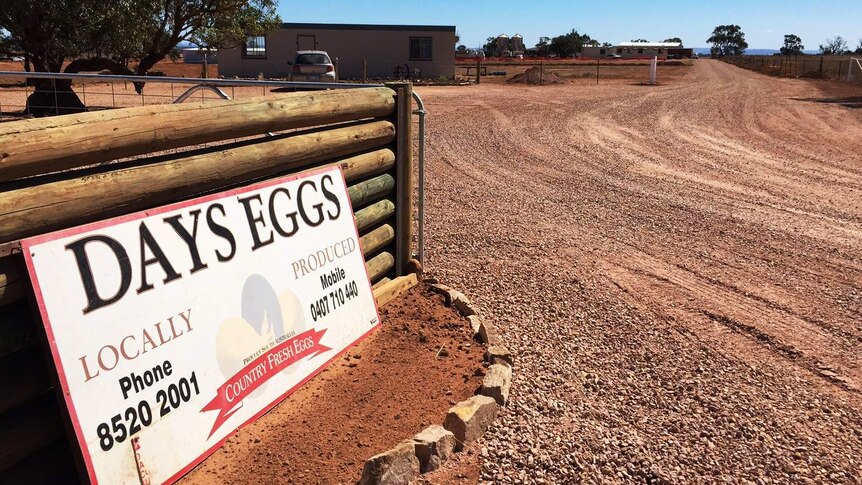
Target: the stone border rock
pixel 465 422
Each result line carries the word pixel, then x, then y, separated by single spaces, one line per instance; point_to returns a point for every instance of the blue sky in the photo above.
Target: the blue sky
pixel 764 22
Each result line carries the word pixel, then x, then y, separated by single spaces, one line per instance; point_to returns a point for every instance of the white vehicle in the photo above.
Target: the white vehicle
pixel 313 66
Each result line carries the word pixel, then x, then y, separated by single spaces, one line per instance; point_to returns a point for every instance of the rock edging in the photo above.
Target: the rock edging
pixel 465 422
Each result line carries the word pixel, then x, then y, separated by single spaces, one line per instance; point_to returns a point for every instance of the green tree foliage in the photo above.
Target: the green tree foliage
pixel 115 33
pixel 834 46
pixel 569 45
pixel 858 48
pixel 491 49
pixel 676 40
pixel 727 40
pixel 543 48
pixel 639 40
pixel 7 47
pixel 125 36
pixel 792 45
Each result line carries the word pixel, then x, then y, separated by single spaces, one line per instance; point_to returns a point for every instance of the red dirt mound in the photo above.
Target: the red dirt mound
pixel 536 76
pixel 384 390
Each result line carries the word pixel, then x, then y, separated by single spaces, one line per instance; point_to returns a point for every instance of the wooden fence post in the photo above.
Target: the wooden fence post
pixel 478 70
pixel 403 175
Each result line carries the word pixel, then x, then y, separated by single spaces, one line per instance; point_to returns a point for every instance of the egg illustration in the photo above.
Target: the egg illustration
pixel 260 323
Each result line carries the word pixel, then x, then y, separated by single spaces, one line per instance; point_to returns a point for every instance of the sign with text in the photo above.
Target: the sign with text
pixel 173 327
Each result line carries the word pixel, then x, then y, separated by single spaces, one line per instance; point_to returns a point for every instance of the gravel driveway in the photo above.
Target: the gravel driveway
pixel 678 268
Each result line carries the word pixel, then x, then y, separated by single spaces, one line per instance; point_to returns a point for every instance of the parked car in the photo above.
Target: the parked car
pixel 313 66
pixel 614 56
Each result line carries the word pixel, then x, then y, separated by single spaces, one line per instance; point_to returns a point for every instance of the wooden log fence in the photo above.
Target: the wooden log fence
pixel 52 144
pixel 366 132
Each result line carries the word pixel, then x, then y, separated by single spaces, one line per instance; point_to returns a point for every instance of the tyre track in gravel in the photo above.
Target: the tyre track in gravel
pixel 678 269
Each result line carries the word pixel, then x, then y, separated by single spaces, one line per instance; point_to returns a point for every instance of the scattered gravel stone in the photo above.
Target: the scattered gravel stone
pixel 475 323
pixel 497 382
pixel 434 445
pixel 499 354
pixel 394 467
pixel 463 305
pixel 469 419
pixel 678 273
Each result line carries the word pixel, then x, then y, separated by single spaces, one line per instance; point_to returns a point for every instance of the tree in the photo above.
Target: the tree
pixel 98 34
pixel 543 47
pixel 491 48
pixel 834 46
pixel 727 40
pixel 7 47
pixel 568 45
pixel 607 44
pixel 792 45
pixel 858 48
pixel 675 40
pixel 639 40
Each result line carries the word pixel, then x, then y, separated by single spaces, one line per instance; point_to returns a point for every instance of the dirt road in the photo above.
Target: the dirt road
pixel 679 269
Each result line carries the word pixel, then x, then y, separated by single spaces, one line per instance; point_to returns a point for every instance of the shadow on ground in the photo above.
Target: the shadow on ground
pixel 854 102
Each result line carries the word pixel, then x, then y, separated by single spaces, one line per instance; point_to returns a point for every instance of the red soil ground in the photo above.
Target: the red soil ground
pixel 678 269
pixel 383 391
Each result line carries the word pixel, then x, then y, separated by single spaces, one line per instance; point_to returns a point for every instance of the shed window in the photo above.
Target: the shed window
pixel 420 48
pixel 640 51
pixel 602 52
pixel 254 47
pixel 619 51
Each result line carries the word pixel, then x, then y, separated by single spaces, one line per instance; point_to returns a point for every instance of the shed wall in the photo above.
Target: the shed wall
pixel 383 50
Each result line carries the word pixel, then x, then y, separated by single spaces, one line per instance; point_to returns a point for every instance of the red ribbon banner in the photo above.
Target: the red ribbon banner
pixel 229 395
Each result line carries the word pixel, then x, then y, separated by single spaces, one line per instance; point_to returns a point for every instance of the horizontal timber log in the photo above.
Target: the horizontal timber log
pixel 376 240
pixel 379 265
pixel 370 190
pixel 373 214
pixel 29 429
pixel 13 280
pixel 380 283
pixel 44 145
pixel 34 210
pixel 367 164
pixel 385 293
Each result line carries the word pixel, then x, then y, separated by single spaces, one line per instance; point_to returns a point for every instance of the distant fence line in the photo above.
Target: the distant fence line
pixel 801 66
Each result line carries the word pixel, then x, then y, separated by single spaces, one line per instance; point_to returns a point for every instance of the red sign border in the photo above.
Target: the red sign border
pixel 27 243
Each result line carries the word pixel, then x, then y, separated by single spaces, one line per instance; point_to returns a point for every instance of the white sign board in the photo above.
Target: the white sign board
pixel 173 327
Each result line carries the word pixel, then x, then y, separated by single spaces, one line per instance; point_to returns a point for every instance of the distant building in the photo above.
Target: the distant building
pixel 503 45
pixel 384 51
pixel 194 55
pixel 470 54
pixel 509 46
pixel 639 50
pixel 516 45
